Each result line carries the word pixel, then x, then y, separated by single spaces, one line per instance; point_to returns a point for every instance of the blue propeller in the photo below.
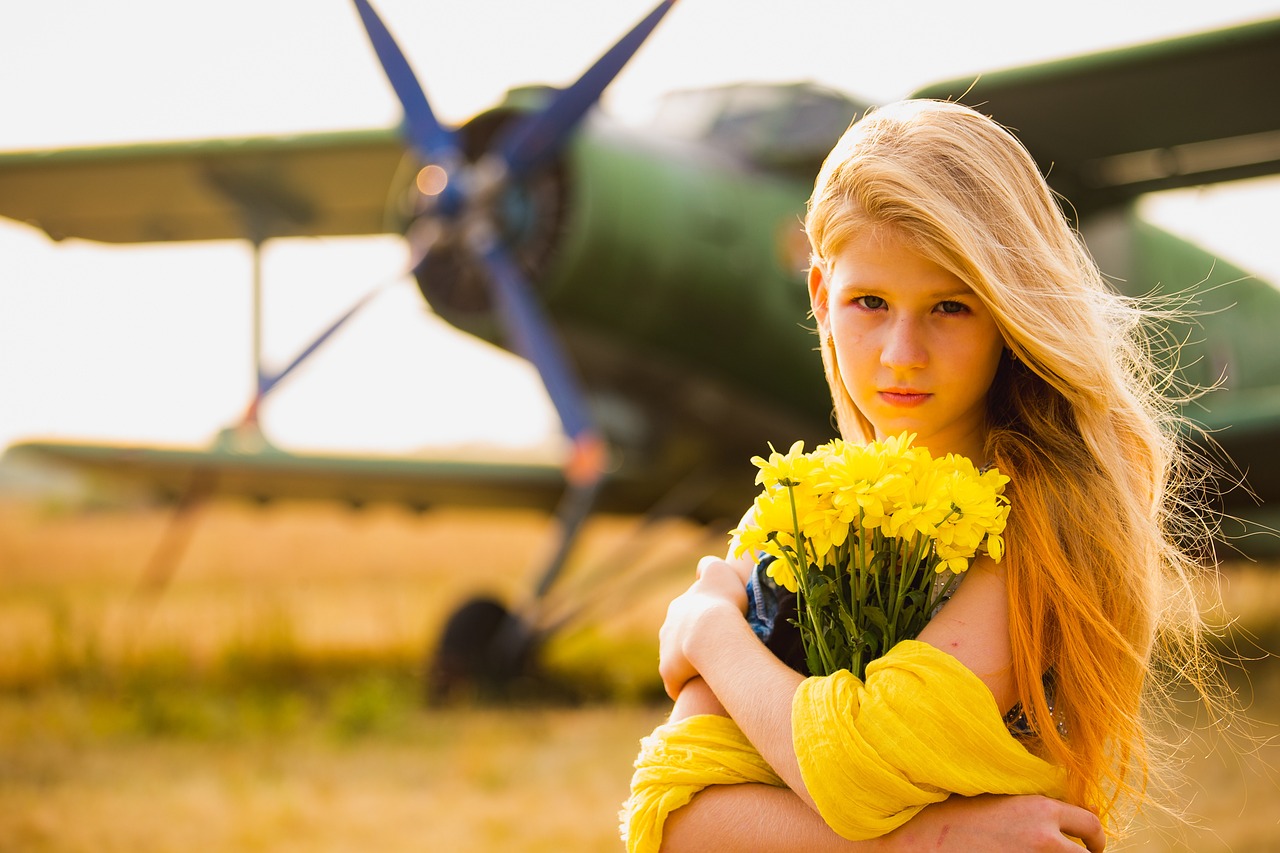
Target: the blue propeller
pixel 434 142
pixel 465 206
pixel 522 317
pixel 531 142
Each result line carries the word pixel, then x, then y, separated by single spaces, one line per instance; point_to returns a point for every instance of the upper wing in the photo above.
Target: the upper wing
pixel 1109 126
pixel 255 188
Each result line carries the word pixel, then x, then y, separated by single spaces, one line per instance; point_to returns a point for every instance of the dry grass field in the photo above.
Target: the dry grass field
pixel 269 698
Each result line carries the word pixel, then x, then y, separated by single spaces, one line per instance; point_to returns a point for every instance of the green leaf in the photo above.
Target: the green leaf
pixel 820 593
pixel 876 617
pixel 847 622
pixel 873 644
pixel 813 662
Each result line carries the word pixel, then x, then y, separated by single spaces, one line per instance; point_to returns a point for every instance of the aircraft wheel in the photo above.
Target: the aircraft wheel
pixel 483 650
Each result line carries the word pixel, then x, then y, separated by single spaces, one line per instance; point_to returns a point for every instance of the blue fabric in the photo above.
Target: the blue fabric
pixel 763 600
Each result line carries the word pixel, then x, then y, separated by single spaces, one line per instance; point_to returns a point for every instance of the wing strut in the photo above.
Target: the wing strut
pixel 246 434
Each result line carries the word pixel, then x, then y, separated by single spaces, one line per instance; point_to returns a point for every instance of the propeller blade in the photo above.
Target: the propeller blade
pixel 542 134
pixel 532 336
pixel 435 142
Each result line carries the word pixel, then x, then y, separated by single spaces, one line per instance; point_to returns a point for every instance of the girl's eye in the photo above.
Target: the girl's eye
pixel 870 303
pixel 950 306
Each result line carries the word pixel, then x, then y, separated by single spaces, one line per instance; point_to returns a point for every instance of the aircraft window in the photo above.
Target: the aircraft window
pixel 778 125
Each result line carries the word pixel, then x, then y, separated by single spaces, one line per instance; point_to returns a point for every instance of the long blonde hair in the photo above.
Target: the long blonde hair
pixel 1076 416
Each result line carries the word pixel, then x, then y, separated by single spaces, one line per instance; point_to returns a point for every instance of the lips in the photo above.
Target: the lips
pixel 903 397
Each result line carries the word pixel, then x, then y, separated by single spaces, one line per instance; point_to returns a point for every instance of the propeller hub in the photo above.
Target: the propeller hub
pixel 432 180
pixel 525 215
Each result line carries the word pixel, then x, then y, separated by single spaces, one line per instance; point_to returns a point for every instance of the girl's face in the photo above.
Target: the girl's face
pixel 915 347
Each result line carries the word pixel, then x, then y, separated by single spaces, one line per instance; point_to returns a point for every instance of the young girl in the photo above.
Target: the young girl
pixel 952 301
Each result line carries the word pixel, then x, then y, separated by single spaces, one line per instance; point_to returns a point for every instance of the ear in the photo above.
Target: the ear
pixel 818 296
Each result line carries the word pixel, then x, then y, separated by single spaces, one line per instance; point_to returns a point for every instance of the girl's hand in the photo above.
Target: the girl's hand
pixel 1032 824
pixel 718 591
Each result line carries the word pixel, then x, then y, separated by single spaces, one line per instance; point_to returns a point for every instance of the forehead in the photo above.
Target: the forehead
pixel 883 257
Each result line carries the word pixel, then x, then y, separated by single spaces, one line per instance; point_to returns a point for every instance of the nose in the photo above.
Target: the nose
pixel 904 346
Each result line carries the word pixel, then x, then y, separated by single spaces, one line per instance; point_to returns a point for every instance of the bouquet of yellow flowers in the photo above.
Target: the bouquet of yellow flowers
pixel 872 539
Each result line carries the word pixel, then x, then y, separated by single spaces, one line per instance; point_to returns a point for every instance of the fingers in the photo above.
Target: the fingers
pixel 673 664
pixel 721 571
pixel 741 569
pixel 704 563
pixel 674 670
pixel 1083 824
pixel 1017 824
pixel 1064 823
pixel 717 586
pixel 672 683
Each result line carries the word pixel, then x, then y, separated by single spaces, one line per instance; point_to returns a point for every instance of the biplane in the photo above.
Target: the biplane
pixel 654 276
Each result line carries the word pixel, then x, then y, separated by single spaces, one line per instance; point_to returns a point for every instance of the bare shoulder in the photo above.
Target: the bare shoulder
pixel 973 627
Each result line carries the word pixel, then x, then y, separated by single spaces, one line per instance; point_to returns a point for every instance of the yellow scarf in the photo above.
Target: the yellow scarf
pixel 677 761
pixel 872 754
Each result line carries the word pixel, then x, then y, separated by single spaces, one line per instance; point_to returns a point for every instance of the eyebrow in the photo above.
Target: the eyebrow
pixel 946 295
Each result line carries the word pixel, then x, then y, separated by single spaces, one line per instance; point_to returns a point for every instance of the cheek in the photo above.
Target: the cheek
pixel 846 362
pixel 984 365
pixel 859 381
pixel 854 335
pixel 852 351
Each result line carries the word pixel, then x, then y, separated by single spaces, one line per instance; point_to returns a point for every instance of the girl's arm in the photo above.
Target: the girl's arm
pixel 710 656
pixel 763 819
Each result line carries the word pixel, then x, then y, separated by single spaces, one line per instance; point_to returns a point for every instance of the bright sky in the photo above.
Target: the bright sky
pixel 153 343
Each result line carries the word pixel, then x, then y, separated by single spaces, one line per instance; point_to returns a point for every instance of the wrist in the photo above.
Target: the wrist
pixel 714 634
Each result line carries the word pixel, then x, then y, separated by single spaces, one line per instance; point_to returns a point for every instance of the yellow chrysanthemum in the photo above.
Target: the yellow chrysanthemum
pixel 977 509
pixel 837 517
pixel 781 467
pixel 845 505
pixel 870 482
pixel 780 571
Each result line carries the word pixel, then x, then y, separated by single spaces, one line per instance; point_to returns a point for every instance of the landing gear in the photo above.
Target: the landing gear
pixel 490 651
